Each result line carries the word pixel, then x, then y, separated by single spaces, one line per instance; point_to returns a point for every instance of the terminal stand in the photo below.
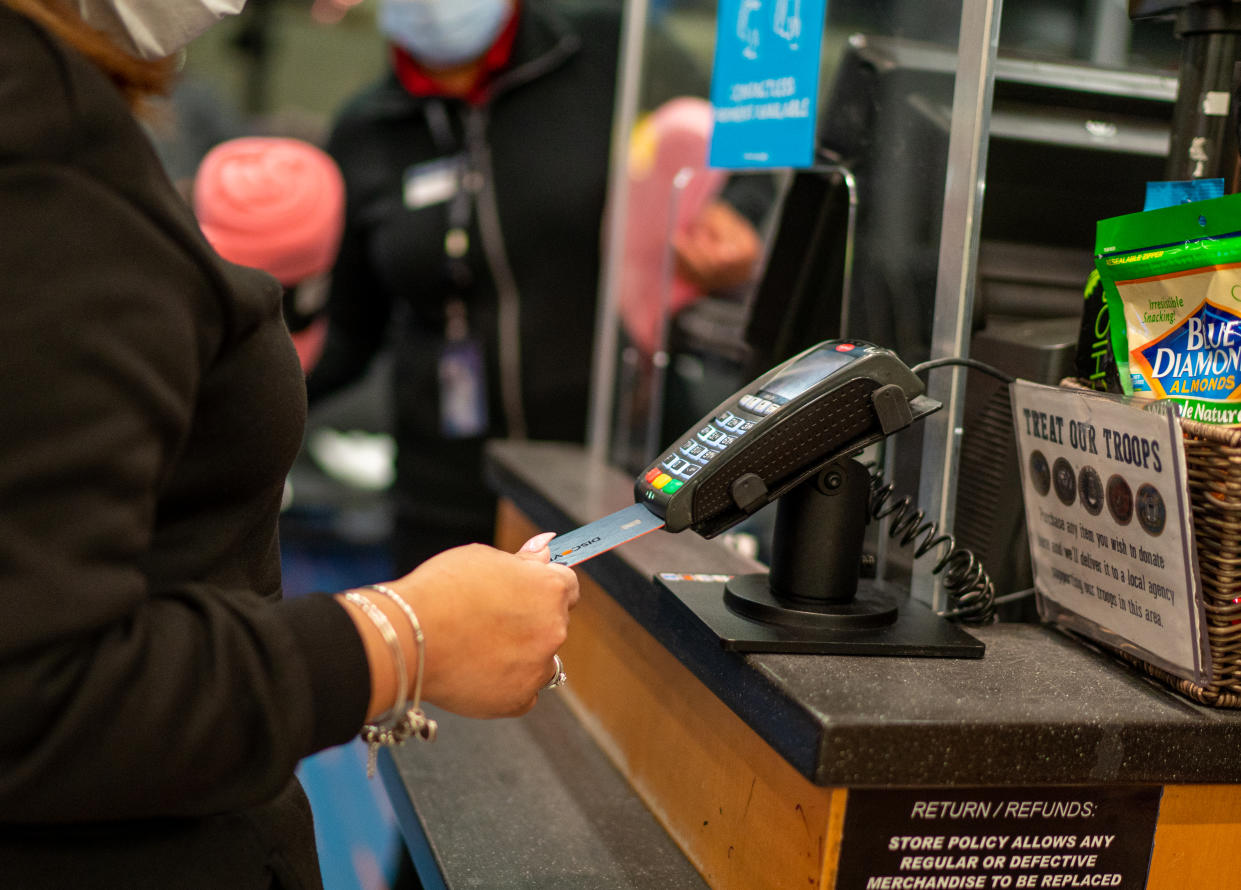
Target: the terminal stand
pixel 813 600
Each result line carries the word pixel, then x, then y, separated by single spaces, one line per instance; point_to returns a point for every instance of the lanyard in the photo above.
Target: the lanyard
pixel 456 245
pixel 461 367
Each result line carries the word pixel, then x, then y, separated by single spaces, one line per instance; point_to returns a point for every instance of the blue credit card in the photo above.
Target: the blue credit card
pixel 603 535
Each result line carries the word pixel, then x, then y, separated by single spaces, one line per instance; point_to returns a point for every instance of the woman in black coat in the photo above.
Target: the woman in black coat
pixel 156 692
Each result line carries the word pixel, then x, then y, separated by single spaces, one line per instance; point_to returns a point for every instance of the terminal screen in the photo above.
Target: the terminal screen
pixel 805 373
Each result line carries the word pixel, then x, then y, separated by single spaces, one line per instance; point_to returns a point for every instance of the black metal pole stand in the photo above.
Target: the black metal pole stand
pixel 813 600
pixel 816 559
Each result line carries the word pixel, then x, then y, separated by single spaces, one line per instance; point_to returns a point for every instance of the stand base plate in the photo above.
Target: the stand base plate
pixel 916 632
pixel 750 596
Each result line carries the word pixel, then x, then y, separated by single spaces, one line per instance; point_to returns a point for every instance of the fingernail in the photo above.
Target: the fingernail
pixel 537 543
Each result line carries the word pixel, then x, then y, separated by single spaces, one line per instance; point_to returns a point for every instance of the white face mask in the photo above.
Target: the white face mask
pixel 154 29
pixel 444 33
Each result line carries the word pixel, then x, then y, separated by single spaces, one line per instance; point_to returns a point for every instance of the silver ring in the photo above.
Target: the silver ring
pixel 559 678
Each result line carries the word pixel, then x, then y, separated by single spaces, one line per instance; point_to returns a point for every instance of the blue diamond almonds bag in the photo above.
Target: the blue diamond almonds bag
pixel 1172 282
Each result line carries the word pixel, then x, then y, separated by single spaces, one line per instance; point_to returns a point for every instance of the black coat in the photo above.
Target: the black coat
pixel 155 692
pixel 540 143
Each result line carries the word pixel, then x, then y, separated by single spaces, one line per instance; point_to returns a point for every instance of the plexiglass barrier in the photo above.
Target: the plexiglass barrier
pixel 963 154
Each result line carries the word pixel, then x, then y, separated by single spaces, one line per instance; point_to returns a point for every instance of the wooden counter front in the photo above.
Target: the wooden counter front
pixel 719 777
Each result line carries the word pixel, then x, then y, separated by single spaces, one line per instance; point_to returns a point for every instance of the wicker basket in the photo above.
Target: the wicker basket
pixel 1213 461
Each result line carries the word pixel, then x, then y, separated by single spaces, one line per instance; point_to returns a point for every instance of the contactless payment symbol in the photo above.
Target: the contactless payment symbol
pixel 765 83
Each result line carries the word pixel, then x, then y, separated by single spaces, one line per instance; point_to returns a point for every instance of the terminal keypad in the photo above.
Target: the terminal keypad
pixel 708 443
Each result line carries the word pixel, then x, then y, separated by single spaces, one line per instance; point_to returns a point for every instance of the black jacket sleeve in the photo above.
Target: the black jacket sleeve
pixel 133 681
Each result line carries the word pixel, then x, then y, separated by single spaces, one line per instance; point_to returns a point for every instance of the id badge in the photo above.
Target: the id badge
pixel 463 389
pixel 431 182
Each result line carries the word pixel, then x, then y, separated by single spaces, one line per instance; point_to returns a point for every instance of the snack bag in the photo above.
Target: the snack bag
pixel 1172 282
pixel 1095 362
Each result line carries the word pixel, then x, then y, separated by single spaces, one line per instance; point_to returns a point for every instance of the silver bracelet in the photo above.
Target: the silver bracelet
pixel 388 732
pixel 415 722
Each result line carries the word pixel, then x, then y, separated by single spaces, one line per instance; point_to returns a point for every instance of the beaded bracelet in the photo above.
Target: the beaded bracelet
pixel 418 722
pixel 376 734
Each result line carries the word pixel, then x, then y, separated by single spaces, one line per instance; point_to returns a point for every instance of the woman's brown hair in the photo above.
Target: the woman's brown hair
pixel 136 78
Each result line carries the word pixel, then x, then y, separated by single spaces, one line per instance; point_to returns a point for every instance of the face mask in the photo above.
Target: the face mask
pixel 444 33
pixel 154 29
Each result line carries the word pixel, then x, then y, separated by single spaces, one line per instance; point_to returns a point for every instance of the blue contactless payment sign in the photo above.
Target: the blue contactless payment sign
pixel 765 82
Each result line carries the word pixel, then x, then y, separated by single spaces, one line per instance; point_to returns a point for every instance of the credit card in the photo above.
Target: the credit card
pixel 603 535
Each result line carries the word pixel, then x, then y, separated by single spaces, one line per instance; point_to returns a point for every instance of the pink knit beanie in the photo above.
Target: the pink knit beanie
pixel 272 203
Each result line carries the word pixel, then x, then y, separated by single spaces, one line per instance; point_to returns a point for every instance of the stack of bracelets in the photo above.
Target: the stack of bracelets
pixel 406 719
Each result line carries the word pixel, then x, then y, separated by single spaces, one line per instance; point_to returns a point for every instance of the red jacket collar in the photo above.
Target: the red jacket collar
pixel 421 82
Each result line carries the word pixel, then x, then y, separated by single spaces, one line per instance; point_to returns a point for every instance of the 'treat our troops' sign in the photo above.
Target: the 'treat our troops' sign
pixel 1108 517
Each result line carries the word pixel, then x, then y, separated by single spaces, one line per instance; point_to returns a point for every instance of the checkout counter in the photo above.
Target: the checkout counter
pixel 667 761
pixel 670 761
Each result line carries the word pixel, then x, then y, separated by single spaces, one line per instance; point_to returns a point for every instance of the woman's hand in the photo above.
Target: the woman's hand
pixel 492 622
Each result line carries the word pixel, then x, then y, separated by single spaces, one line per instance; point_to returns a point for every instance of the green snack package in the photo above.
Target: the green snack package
pixel 1095 363
pixel 1172 282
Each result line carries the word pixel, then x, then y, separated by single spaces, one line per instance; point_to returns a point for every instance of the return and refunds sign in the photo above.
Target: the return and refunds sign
pixel 1071 838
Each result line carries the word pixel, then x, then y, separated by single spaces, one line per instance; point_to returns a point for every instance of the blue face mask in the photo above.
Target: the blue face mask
pixel 444 33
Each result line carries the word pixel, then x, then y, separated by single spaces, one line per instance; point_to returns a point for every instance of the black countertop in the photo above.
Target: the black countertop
pixel 1038 708
pixel 526 804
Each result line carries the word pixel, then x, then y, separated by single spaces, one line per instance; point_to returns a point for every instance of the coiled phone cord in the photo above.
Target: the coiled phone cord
pixel 966 583
pixel 970 591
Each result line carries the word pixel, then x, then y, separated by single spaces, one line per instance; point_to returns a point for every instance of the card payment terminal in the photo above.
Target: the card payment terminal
pixel 790 435
pixel 830 400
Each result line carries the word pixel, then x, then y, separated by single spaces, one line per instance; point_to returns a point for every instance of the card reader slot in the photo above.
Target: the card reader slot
pixel 806 435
